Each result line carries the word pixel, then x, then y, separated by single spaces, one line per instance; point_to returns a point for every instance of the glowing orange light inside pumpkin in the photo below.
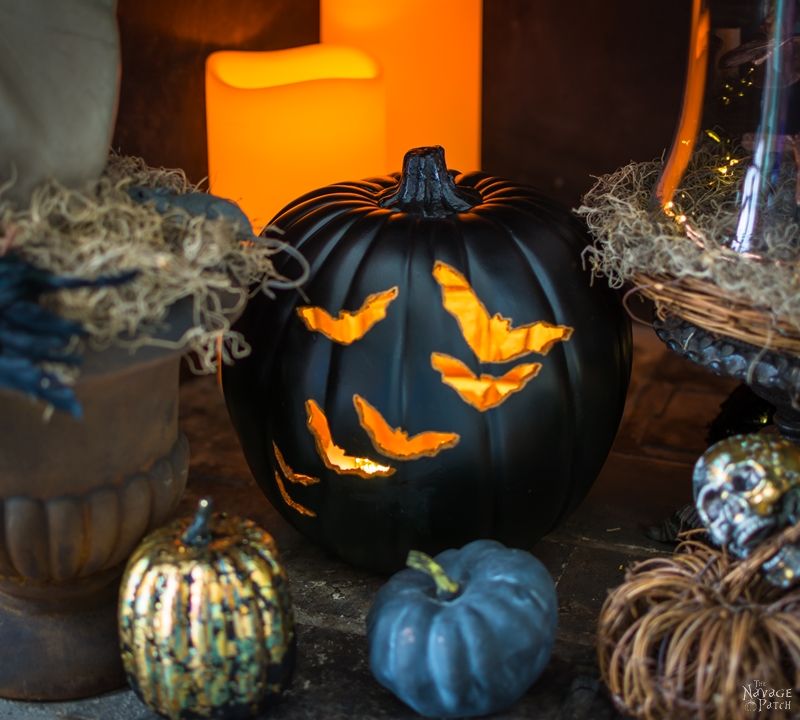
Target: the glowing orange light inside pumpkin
pixel 285 122
pixel 395 442
pixel 483 392
pixel 492 338
pixel 348 326
pixel 430 54
pixel 334 457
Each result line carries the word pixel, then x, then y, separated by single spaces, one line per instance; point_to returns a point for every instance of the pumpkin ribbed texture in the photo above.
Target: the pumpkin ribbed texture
pixel 206 629
pixel 471 655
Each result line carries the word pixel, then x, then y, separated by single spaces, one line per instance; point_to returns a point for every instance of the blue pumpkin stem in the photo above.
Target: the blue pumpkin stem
pixel 445 587
pixel 199 532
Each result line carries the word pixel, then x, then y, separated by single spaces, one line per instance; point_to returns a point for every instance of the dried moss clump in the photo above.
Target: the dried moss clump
pixel 689 251
pixel 100 230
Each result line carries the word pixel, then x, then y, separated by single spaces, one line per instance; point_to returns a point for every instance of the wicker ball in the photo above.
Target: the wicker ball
pixel 688 635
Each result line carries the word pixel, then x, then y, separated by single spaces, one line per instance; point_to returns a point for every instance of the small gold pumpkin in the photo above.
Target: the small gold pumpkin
pixel 205 619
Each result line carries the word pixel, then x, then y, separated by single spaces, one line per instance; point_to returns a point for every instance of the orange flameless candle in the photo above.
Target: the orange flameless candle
pixel 689 124
pixel 284 122
pixel 430 54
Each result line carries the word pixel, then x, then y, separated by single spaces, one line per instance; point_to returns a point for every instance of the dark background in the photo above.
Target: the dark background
pixel 571 88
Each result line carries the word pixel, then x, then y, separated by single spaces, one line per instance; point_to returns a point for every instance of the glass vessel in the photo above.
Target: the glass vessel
pixel 731 172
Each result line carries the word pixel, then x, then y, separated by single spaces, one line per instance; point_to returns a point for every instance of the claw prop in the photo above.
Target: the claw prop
pixel 31 334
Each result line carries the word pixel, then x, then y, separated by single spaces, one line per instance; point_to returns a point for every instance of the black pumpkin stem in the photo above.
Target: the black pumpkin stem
pixel 426 187
pixel 199 532
pixel 446 588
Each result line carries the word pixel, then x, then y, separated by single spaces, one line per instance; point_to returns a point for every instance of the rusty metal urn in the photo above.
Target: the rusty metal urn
pixel 76 497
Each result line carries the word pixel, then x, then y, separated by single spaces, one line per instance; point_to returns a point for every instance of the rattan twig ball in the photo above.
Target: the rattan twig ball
pixel 702 635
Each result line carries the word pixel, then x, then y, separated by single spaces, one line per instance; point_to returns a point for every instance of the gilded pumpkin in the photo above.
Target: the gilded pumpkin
pixel 205 620
pixel 448 372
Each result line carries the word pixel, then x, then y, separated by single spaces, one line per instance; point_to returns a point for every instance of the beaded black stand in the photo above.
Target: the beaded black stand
pixel 772 375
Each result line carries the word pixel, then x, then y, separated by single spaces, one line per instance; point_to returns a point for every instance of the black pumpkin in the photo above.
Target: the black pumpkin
pixel 387 409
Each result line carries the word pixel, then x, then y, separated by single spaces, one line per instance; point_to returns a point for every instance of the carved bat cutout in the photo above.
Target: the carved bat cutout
pixel 395 442
pixel 492 338
pixel 348 326
pixel 485 391
pixel 335 457
pixel 292 477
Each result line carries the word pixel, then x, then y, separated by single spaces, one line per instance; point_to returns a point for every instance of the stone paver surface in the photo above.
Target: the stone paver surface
pixel 646 477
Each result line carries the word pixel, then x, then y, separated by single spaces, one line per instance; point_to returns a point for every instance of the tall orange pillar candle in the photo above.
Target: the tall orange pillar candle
pixel 430 54
pixel 284 122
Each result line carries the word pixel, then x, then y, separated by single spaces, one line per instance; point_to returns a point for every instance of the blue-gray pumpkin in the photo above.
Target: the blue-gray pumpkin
pixel 465 633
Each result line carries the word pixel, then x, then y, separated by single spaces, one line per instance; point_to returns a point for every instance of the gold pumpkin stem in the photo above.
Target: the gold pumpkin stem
pixel 445 587
pixel 199 532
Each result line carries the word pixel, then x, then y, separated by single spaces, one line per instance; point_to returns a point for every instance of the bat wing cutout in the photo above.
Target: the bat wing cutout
pixel 292 477
pixel 483 392
pixel 349 326
pixel 492 337
pixel 395 442
pixel 335 457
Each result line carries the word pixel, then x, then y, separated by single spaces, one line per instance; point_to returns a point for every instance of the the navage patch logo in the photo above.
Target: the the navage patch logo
pixel 758 695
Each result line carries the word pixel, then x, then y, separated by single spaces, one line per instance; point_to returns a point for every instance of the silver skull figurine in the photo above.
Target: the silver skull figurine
pixel 746 489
